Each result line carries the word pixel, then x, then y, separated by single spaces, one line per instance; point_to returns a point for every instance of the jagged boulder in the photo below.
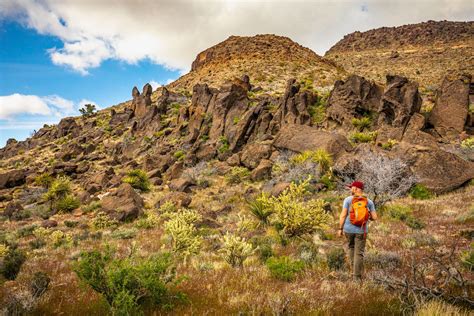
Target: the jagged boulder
pixel 353 98
pixel 141 102
pixel 253 153
pixel 450 113
pixel 179 199
pixel 68 125
pixel 262 171
pixel 13 178
pixel 124 204
pixel 293 105
pixel 400 101
pixel 299 138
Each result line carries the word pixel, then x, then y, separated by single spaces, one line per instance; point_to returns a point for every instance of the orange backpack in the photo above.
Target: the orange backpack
pixel 359 213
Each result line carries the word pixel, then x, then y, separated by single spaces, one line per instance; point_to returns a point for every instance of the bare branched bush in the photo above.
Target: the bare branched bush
pixel 436 276
pixel 385 178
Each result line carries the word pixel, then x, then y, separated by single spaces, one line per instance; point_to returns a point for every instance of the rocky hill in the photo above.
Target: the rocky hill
pixel 424 52
pixel 269 60
pixel 194 172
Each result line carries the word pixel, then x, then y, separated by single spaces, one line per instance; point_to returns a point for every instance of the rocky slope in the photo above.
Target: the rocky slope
pixel 269 60
pixel 424 52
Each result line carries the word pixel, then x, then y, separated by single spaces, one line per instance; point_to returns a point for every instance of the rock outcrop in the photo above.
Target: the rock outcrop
pixel 123 204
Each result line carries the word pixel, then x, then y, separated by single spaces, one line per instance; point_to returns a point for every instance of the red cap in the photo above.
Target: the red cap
pixel 357 184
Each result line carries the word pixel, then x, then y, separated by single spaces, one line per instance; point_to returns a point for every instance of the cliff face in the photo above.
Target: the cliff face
pixel 424 52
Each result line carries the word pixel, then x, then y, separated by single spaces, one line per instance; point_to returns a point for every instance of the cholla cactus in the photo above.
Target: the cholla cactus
pixel 102 221
pixel 235 250
pixel 183 232
pixel 296 215
pixel 59 238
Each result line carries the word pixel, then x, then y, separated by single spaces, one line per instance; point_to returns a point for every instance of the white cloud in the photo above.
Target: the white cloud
pixel 171 33
pixel 18 104
pixel 86 101
pixel 155 84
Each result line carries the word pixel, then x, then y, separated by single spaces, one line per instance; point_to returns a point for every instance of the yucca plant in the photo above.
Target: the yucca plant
pixel 261 208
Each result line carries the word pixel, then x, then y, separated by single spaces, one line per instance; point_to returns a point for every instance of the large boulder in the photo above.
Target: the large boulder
pixel 124 204
pixel 353 98
pixel 66 126
pixel 299 138
pixel 450 113
pixel 400 101
pixel 13 178
pixel 253 153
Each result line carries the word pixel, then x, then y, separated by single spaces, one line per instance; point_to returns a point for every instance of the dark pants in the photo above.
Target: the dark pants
pixel 356 253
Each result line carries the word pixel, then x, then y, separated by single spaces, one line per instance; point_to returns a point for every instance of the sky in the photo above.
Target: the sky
pixel 57 55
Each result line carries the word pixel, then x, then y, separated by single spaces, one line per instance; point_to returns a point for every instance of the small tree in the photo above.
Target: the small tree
pixel 384 178
pixel 87 110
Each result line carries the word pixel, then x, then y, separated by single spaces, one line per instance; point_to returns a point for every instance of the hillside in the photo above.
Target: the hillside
pixel 221 195
pixel 424 52
pixel 269 60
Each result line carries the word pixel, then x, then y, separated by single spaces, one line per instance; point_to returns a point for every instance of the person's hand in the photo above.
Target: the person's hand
pixel 339 233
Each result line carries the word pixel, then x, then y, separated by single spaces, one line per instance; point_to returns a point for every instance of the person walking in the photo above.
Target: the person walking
pixel 356 212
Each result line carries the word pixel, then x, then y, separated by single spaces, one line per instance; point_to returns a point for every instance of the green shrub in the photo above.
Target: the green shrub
pixel 468 143
pixel 59 189
pixel 404 214
pixel 235 249
pixel 361 123
pixel 237 175
pixel 336 259
pixel 180 155
pixel 363 137
pixel 44 180
pixel 103 221
pixel 260 208
pixel 127 283
pixel 414 223
pixel 284 268
pixel 150 220
pixel 294 214
pixel 138 179
pixel 317 113
pixel 319 156
pixel 71 224
pixel 13 259
pixel 92 206
pixel 420 192
pixel 389 144
pixel 67 204
pixel 124 233
pixel 26 231
pixel 182 230
pixel 224 145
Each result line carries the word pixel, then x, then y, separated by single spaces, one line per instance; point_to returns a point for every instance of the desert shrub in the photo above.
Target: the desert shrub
pixel 55 238
pixel 150 220
pixel 235 249
pixel 363 137
pixel 361 123
pixel 419 239
pixel 167 208
pixel 87 110
pixel 284 170
pixel 198 173
pixel 92 206
pixel 468 143
pixel 420 192
pixel 466 218
pixel 21 215
pixel 71 224
pixel 26 231
pixel 336 259
pixel 180 155
pixel 237 175
pixel 439 308
pixel 296 215
pixel 39 284
pixel 404 214
pixel 317 113
pixel 308 253
pixel 12 261
pixel 67 204
pixel 37 243
pixel 125 233
pixel 386 260
pixel 103 221
pixel 138 179
pixel 284 268
pixel 260 208
pixel 127 283
pixel 384 178
pixel 182 230
pixel 223 145
pixel 44 180
pixel 3 250
pixel 467 258
pixel 319 156
pixel 389 144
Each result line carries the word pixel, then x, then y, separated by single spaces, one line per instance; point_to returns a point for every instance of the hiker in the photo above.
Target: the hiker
pixel 356 212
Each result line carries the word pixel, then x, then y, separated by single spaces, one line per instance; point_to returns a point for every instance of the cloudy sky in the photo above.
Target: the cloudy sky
pixel 57 55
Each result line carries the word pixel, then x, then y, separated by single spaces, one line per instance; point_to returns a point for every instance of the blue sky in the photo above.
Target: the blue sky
pixel 26 69
pixel 57 55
